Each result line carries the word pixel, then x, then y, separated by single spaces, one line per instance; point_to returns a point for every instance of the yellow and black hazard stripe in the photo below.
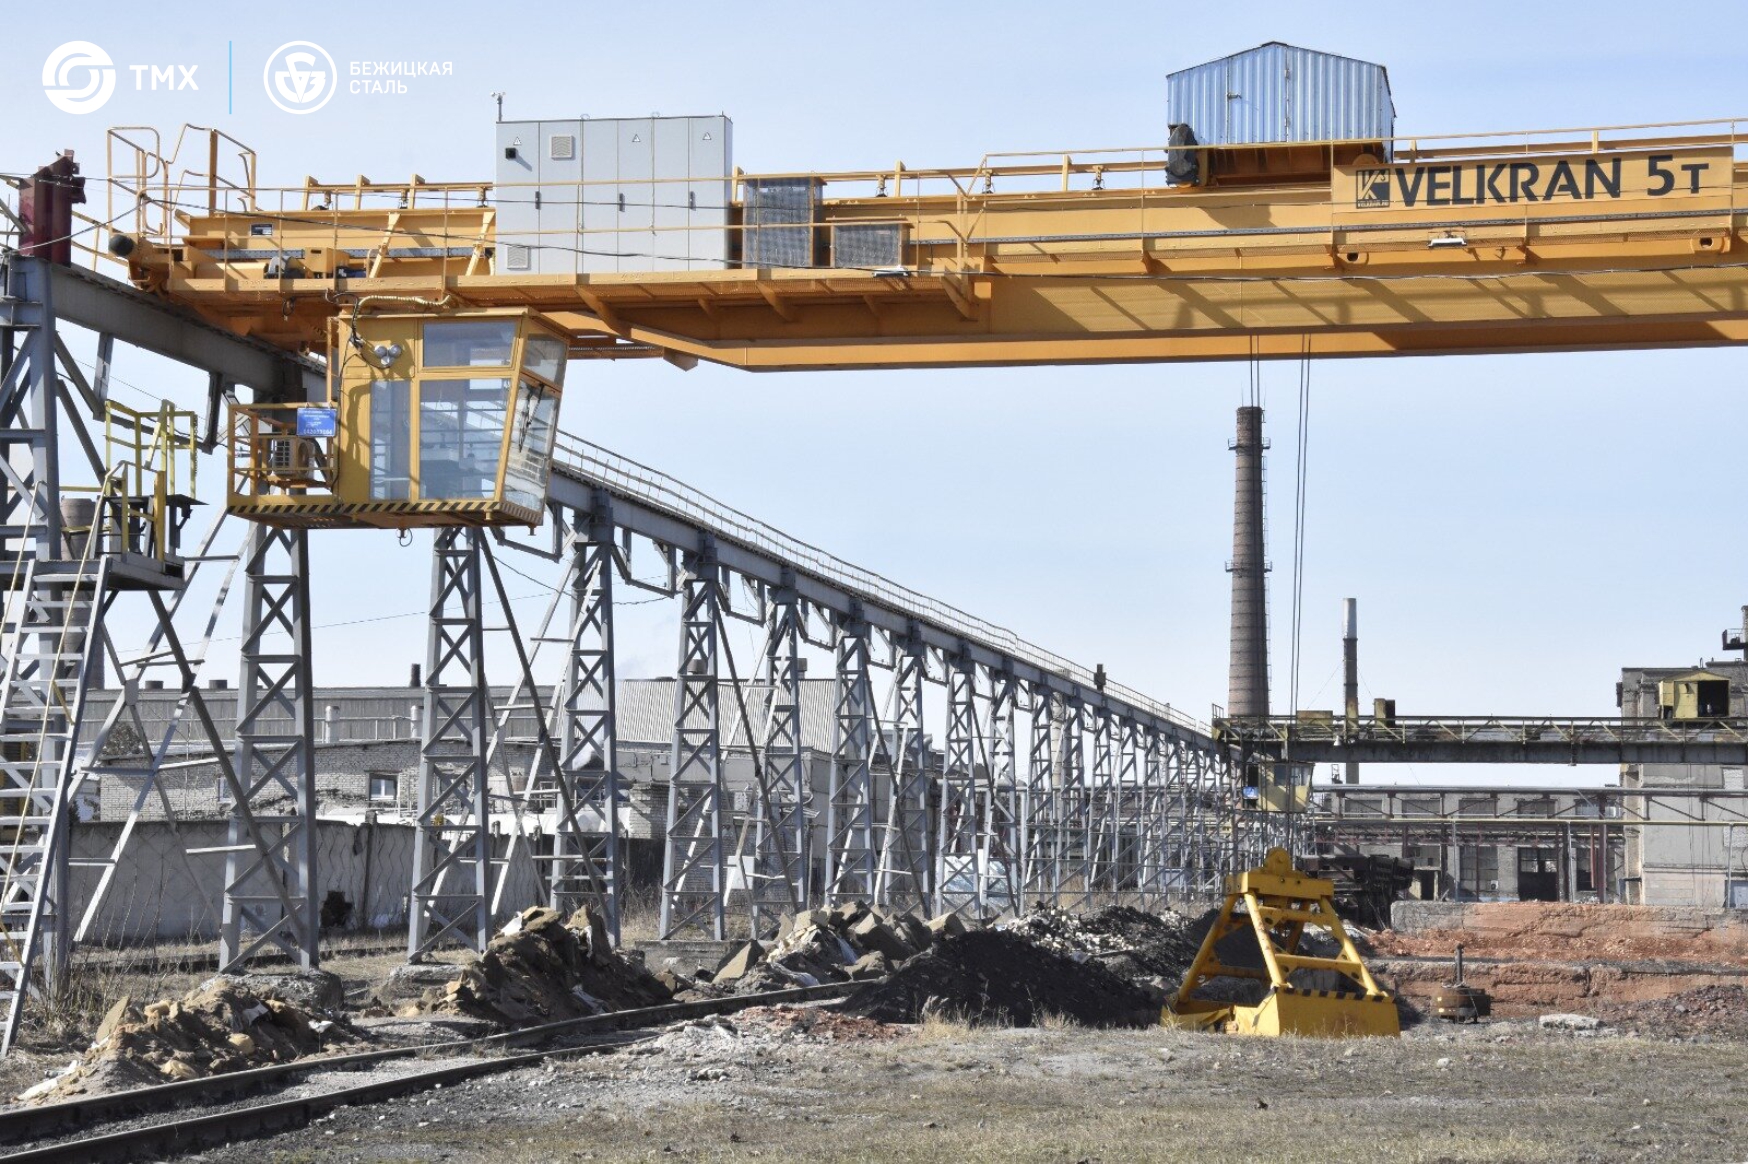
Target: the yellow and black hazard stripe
pixel 331 513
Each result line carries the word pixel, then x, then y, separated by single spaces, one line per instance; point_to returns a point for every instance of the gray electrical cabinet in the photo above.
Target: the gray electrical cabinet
pixel 586 195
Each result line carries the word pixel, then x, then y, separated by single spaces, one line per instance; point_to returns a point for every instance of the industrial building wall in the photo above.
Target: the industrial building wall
pixel 153 895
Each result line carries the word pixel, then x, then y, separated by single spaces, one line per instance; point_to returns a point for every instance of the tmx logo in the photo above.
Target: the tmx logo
pixel 79 77
pixel 299 76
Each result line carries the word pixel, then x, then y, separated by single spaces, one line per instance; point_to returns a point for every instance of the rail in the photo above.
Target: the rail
pixel 154 1140
pixel 608 470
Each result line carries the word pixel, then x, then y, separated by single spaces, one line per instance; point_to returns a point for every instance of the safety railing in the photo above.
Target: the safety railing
pixel 596 465
pixel 941 214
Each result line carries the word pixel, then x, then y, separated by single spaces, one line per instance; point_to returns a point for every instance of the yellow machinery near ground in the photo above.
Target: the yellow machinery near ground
pixel 1279 905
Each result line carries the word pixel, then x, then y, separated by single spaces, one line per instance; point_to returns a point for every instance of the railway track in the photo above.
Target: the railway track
pixel 190 1132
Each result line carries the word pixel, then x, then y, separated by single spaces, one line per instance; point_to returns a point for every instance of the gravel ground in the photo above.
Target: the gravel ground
pixel 763 1085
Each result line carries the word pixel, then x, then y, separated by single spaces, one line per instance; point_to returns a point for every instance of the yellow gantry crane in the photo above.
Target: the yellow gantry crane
pixel 1579 239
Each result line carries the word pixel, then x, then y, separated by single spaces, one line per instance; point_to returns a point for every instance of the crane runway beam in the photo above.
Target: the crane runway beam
pixel 1318 739
pixel 652 505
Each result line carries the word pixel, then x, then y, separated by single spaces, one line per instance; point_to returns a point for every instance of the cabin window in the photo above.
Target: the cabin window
pixel 530 458
pixel 461 430
pixel 544 356
pixel 391 440
pixel 475 343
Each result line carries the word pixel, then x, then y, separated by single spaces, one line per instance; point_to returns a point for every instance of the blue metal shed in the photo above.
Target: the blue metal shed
pixel 1279 92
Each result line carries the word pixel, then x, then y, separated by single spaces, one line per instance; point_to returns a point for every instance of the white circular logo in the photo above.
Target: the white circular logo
pixel 294 79
pixel 67 88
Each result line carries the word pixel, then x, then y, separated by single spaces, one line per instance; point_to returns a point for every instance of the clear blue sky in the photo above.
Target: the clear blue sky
pixel 1515 528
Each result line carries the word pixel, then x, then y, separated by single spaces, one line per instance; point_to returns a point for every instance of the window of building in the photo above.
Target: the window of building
pixel 384 787
pixel 1364 806
pixel 1480 868
pixel 1542 806
pixel 1420 806
pixel 1478 806
pixel 1733 780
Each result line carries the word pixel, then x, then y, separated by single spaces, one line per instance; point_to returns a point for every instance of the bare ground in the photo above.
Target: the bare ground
pixel 768 1089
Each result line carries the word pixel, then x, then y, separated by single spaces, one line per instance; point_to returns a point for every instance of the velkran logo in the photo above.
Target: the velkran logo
pixel 295 77
pixel 78 77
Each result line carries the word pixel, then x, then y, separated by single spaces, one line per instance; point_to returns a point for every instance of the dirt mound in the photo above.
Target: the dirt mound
pixel 994 977
pixel 543 968
pixel 222 1025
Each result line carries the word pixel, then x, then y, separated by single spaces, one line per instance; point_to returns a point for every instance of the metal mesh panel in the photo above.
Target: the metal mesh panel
pixel 779 214
pixel 868 245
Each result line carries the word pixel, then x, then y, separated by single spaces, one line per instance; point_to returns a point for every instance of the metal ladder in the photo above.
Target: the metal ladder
pixel 42 696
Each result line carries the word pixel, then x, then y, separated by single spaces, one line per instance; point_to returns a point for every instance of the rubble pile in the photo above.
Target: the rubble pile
pixel 542 967
pixel 993 977
pixel 846 943
pixel 227 1023
pixel 1706 1011
pixel 1133 943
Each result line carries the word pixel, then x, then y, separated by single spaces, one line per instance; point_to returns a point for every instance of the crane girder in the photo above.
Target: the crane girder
pixel 1606 243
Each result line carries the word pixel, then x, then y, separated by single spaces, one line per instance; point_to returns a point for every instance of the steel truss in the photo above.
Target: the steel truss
pixel 961 851
pixel 270 862
pixel 1155 823
pixel 781 832
pixel 907 848
pixel 1002 847
pixel 850 851
pixel 586 867
pixel 1102 808
pixel 1071 877
pixel 694 899
pixel 1126 816
pixel 1039 811
pixel 452 849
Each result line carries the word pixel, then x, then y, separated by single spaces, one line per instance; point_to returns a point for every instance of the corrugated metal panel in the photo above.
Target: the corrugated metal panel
pixel 1278 92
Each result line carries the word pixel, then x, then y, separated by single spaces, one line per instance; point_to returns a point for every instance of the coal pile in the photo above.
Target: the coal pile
pixel 993 977
pixel 225 1024
pixel 544 968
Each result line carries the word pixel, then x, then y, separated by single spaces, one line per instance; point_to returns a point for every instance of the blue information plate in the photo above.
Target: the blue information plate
pixel 317 422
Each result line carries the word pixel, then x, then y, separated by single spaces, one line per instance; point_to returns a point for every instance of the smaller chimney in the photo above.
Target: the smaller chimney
pixel 416 680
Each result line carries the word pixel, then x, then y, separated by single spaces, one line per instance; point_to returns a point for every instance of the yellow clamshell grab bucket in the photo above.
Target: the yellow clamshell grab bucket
pixel 1280 904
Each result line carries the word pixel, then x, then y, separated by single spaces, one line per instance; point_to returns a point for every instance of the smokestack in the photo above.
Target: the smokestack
pixel 1350 674
pixel 1247 680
